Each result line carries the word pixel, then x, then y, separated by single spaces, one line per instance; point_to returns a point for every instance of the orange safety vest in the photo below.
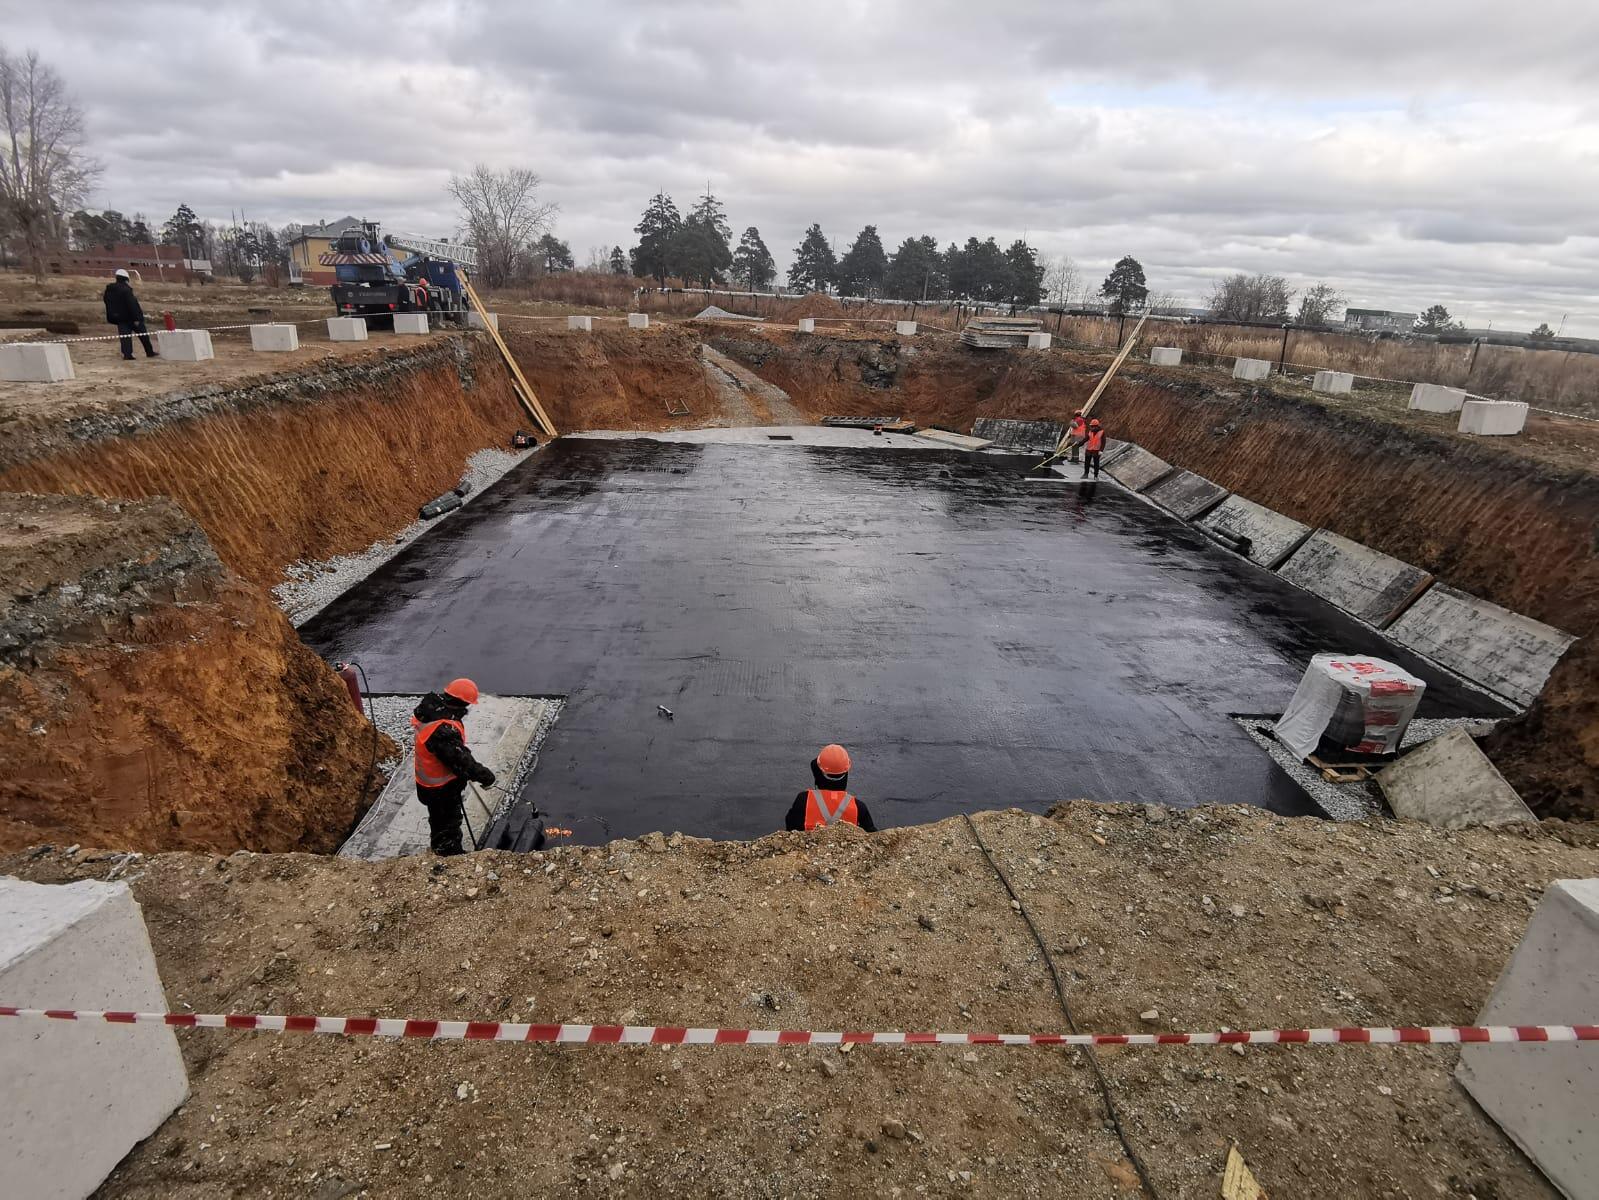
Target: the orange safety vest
pixel 829 808
pixel 1079 427
pixel 1096 440
pixel 430 772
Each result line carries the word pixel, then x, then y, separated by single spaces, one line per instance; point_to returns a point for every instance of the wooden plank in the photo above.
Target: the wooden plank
pixel 524 390
pixel 1237 1181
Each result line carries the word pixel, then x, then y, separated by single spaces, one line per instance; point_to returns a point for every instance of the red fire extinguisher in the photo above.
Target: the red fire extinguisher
pixel 169 320
pixel 352 681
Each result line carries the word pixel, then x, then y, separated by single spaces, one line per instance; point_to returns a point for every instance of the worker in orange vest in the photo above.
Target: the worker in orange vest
pixel 1093 447
pixel 443 763
pixel 829 802
pixel 1076 435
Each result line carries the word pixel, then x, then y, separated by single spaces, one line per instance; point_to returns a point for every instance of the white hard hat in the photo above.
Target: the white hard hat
pixel 122 272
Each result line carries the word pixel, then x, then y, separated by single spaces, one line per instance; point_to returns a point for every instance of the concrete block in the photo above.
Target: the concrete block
pixel 1333 383
pixel 1547 1097
pixel 185 345
pixel 1493 418
pixel 1166 356
pixel 1039 341
pixel 1501 650
pixel 584 324
pixel 274 338
pixel 477 320
pixel 1136 468
pixel 905 328
pixel 346 329
pixel 24 362
pixel 1361 581
pixel 410 322
pixel 79 1096
pixel 1434 397
pixel 1449 782
pixel 638 320
pixel 1185 494
pixel 806 324
pixel 1271 536
pixel 1251 368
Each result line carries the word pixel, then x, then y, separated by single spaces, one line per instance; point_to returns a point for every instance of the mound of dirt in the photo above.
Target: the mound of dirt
pixel 814 305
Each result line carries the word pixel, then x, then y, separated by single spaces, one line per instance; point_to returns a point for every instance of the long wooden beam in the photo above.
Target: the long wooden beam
pixel 524 390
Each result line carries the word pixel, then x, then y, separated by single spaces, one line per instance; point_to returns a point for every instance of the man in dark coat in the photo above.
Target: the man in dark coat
pixel 443 763
pixel 122 310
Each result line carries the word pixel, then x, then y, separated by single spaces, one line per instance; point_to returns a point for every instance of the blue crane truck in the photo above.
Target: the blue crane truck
pixel 373 281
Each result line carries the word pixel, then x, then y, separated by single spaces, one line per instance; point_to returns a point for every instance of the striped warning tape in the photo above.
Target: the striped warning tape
pixel 680 1035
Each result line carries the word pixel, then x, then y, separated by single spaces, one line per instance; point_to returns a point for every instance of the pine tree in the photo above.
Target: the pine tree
pixel 183 229
pixel 752 261
pixel 917 272
pixel 1124 287
pixel 657 232
pixel 618 261
pixel 553 255
pixel 702 253
pixel 864 265
pixel 1026 273
pixel 979 271
pixel 814 264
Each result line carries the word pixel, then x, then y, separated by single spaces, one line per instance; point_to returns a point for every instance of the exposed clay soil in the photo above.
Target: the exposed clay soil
pixel 1214 917
pixel 615 378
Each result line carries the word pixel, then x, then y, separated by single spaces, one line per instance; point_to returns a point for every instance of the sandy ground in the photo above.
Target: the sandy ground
pixel 1218 917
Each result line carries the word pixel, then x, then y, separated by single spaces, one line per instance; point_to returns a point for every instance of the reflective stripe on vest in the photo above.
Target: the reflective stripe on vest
pixel 430 771
pixel 829 808
pixel 1096 440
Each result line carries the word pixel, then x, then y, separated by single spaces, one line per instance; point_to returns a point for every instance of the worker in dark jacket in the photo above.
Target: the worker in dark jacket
pixel 122 310
pixel 829 802
pixel 443 763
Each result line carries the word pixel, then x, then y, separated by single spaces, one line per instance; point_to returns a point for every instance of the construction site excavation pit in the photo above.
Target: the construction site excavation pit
pixel 715 605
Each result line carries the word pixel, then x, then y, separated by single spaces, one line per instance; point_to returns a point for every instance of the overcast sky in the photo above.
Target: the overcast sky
pixel 1407 153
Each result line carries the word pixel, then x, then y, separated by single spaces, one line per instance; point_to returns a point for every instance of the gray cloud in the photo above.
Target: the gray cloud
pixel 1408 154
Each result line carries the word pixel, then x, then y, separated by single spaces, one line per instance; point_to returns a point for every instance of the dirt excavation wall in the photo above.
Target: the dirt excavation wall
pixel 614 377
pixel 149 699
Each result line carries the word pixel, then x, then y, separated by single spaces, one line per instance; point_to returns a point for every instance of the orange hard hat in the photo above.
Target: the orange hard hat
pixel 833 760
pixel 1094 421
pixel 463 690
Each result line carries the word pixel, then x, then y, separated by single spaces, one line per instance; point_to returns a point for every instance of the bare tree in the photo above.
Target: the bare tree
pixel 1318 304
pixel 502 217
pixel 44 170
pixel 1251 298
pixel 1061 280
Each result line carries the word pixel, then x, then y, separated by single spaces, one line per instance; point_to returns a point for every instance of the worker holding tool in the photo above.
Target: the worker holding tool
pixel 1093 447
pixel 443 763
pixel 829 802
pixel 1076 434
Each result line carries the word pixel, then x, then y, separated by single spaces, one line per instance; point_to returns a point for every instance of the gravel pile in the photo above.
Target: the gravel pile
pixel 309 587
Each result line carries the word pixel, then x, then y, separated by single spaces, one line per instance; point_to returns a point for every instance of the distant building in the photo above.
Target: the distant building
pixel 313 242
pixel 149 262
pixel 1379 319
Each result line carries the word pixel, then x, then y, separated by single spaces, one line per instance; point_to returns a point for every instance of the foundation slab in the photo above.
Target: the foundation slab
pixel 1449 782
pixel 1185 494
pixel 1363 582
pixel 274 338
pixel 1434 397
pixel 1333 383
pixel 1136 468
pixel 79 1097
pixel 582 324
pixel 23 362
pixel 1251 368
pixel 1493 418
pixel 185 345
pixel 346 329
pixel 1272 537
pixel 1547 1097
pixel 410 323
pixel 1166 356
pixel 1502 650
pixel 638 320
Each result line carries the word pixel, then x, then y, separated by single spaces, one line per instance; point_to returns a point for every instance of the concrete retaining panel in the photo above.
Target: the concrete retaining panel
pixel 346 329
pixel 1113 451
pixel 274 338
pixel 905 328
pixel 638 320
pixel 477 320
pixel 1251 368
pixel 1037 436
pixel 1449 782
pixel 1493 418
pixel 1039 341
pixel 79 1097
pixel 1333 383
pixel 185 345
pixel 1272 536
pixel 25 363
pixel 1547 1098
pixel 583 324
pixel 1358 579
pixel 1166 356
pixel 1492 646
pixel 1185 494
pixel 410 322
pixel 1434 397
pixel 1137 468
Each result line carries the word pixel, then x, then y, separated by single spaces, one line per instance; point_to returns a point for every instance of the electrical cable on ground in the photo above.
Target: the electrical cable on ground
pixel 1066 1008
pixel 371 716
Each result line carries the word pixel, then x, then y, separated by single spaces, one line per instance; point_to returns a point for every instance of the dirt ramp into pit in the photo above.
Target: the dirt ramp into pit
pixel 149 699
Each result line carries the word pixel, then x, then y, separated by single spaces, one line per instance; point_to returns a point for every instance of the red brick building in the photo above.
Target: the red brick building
pixel 151 263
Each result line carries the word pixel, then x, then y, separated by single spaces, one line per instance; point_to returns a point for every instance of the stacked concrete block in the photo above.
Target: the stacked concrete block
pixel 1039 341
pixel 806 324
pixel 477 320
pixel 346 329
pixel 1251 368
pixel 1434 397
pixel 35 363
pixel 638 320
pixel 1166 356
pixel 1493 418
pixel 269 339
pixel 581 324
pixel 185 345
pixel 1333 383
pixel 410 322
pixel 905 328
pixel 79 1095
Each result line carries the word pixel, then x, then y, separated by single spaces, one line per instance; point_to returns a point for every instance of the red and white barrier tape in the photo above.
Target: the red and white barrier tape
pixel 679 1035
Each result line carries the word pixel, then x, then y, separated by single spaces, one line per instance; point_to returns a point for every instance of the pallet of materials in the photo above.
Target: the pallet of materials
pixel 886 424
pixel 1000 333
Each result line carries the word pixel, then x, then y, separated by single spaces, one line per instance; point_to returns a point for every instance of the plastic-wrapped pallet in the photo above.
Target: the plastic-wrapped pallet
pixel 1361 704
